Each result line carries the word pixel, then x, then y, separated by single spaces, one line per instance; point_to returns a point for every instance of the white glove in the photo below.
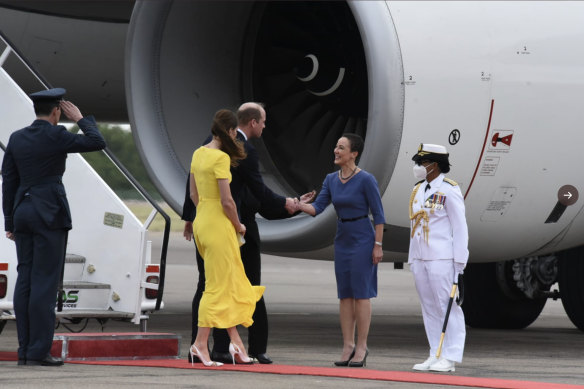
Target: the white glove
pixel 458 269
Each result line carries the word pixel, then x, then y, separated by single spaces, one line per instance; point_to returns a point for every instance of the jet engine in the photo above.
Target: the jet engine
pixel 317 66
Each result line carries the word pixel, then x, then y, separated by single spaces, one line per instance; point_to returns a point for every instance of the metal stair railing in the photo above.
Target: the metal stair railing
pixel 11 49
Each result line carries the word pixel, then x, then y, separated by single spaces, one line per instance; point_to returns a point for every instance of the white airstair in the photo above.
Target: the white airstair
pixel 108 272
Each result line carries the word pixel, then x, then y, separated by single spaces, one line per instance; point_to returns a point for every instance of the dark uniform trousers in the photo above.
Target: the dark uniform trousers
pixel 40 252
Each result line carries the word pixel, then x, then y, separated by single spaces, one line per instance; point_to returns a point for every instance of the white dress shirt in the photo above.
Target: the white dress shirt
pixel 242 133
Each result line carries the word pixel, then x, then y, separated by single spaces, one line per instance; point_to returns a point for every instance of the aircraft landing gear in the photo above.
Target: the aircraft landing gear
pixel 571 283
pixel 534 276
pixel 509 294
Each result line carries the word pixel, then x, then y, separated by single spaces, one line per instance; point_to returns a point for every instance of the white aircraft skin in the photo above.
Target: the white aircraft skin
pixel 500 84
pixel 459 60
pixel 496 67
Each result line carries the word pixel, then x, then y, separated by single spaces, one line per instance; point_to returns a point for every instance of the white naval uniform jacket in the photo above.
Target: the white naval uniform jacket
pixel 438 225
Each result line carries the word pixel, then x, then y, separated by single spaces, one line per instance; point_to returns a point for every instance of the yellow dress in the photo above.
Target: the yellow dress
pixel 229 298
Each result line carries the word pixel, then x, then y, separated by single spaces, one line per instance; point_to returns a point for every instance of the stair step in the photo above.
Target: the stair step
pixel 94 313
pixel 74 258
pixel 83 313
pixel 74 266
pixel 115 346
pixel 84 285
pixel 86 295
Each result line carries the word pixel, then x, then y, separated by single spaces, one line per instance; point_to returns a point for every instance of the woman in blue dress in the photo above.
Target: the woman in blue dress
pixel 358 245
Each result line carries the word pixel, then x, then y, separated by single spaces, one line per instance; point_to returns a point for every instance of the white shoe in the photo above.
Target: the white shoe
pixel 424 366
pixel 442 365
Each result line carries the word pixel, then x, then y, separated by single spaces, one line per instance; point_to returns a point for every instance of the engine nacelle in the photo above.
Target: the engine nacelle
pixel 320 68
pixel 498 83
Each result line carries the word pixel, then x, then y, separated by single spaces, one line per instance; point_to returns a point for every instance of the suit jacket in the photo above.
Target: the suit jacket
pixel 248 190
pixel 34 163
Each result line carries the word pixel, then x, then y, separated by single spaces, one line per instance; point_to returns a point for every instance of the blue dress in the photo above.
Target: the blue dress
pixel 356 275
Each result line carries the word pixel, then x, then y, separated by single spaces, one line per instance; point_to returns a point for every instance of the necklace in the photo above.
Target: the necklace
pixel 349 176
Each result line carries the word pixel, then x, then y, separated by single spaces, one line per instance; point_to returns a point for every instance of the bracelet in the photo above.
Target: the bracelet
pixel 378 243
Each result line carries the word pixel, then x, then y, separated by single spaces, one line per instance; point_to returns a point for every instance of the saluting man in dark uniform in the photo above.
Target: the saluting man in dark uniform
pixel 37 215
pixel 438 253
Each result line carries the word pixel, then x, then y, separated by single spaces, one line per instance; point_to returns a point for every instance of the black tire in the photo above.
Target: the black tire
pixel 492 300
pixel 571 284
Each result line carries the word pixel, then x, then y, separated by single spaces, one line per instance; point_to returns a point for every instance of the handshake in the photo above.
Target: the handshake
pixel 294 205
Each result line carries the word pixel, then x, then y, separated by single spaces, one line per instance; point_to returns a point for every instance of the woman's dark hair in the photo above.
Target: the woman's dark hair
pixel 356 142
pixel 223 121
pixel 444 166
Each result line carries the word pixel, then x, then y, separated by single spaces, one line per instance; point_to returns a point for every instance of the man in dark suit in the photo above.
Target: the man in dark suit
pixel 37 216
pixel 251 196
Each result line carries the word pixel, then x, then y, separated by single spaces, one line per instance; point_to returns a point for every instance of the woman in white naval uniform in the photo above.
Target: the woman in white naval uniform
pixel 438 253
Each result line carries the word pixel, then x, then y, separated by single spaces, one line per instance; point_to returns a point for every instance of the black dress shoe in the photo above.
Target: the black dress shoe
pixel 345 363
pixel 262 358
pixel 49 360
pixel 360 363
pixel 221 357
pixel 21 362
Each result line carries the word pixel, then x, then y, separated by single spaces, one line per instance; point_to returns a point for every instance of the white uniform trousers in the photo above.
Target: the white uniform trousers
pixel 434 283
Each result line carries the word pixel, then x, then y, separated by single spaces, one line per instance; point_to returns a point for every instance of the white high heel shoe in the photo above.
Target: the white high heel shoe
pixel 201 357
pixel 234 350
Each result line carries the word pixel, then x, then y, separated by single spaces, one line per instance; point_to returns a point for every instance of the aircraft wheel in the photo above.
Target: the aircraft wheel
pixel 571 284
pixel 492 299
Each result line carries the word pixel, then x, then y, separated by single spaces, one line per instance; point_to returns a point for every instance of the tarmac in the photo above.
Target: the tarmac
pixel 304 330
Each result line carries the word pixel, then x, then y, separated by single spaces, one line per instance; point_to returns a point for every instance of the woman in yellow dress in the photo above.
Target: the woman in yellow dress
pixel 229 299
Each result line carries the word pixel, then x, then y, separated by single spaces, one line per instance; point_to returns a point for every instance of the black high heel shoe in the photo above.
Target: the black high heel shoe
pixel 345 363
pixel 360 363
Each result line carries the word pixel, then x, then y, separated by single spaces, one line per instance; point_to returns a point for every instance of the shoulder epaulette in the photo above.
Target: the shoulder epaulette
pixel 451 182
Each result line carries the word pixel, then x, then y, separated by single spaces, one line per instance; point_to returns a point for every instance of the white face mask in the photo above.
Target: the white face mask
pixel 420 172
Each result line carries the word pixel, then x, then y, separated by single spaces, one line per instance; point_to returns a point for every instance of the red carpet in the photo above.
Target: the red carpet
pixel 398 376
pixel 8 356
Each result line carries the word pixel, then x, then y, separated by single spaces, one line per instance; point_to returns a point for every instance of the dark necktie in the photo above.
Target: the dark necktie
pixel 427 187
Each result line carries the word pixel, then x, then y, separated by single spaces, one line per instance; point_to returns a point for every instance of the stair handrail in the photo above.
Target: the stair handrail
pixel 10 48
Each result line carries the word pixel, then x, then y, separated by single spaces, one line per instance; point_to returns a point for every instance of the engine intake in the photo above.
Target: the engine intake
pixel 321 68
